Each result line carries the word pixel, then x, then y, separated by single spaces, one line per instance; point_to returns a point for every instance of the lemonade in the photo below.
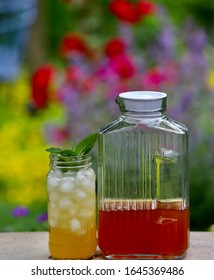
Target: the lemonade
pixel 71 212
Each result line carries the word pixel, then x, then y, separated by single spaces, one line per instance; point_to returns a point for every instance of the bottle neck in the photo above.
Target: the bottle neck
pixel 140 106
pixel 143 117
pixel 69 163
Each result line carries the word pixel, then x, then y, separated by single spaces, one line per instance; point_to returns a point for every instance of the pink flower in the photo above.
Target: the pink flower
pixel 73 74
pixel 153 79
pixel 89 84
pixel 123 66
pixel 56 135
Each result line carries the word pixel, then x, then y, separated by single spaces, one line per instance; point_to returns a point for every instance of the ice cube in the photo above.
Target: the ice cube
pixel 89 185
pixel 80 194
pixel 53 197
pixel 74 211
pixel 82 231
pixel 89 173
pixel 86 179
pixel 65 203
pixel 53 179
pixel 67 184
pixel 168 154
pixel 52 222
pixel 89 204
pixel 86 213
pixel 80 179
pixel 75 224
pixel 69 174
pixel 51 182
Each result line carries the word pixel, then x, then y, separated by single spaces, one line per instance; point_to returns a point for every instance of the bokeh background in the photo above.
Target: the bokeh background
pixel 62 62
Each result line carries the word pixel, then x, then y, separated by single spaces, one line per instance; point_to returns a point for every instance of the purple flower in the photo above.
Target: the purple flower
pixel 167 41
pixel 43 217
pixel 196 38
pixel 20 211
pixel 186 100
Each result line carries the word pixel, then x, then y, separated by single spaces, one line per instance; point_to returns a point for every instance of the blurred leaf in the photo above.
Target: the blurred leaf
pixel 54 150
pixel 86 145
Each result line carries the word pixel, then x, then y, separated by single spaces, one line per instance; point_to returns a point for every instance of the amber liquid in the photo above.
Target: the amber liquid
pixel 63 244
pixel 161 232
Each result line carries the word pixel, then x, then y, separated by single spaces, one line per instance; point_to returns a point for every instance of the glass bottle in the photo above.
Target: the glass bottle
pixel 143 205
pixel 71 207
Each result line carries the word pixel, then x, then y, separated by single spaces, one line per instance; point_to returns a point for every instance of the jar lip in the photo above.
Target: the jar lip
pixel 69 158
pixel 80 157
pixel 67 161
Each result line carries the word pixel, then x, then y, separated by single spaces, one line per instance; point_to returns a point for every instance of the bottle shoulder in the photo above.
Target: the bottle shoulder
pixel 145 125
pixel 114 126
pixel 172 126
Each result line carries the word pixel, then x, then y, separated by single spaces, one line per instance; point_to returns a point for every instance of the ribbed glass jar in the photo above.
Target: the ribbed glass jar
pixel 71 207
pixel 143 187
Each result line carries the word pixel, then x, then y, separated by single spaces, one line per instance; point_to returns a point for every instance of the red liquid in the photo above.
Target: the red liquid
pixel 162 232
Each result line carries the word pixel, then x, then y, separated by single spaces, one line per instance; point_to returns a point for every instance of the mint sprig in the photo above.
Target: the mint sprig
pixel 81 148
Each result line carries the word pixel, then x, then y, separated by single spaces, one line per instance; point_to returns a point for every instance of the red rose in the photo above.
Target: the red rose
pixel 114 47
pixel 131 12
pixel 145 8
pixel 41 81
pixel 72 43
pixel 124 10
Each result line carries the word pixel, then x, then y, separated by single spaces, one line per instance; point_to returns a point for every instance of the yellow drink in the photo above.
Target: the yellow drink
pixel 65 244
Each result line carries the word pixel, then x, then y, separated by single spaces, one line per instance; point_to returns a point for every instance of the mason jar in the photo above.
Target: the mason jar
pixel 71 207
pixel 143 203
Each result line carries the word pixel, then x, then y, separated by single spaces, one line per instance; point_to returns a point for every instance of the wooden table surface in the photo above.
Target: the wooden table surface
pixel 34 246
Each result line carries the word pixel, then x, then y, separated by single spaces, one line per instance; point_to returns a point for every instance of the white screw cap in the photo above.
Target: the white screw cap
pixel 142 101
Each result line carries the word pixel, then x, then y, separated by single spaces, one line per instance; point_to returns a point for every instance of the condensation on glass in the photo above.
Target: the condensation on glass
pixel 143 205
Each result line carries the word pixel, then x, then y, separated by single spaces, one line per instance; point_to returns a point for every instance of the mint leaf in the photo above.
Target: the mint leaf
pixel 82 148
pixel 68 153
pixel 54 150
pixel 86 145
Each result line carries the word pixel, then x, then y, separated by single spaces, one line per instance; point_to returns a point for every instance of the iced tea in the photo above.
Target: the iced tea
pixel 143 229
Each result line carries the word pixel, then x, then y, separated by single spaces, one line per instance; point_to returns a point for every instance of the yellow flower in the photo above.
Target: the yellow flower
pixel 23 162
pixel 210 80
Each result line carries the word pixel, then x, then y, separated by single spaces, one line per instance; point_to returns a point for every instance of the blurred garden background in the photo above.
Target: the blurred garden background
pixel 62 62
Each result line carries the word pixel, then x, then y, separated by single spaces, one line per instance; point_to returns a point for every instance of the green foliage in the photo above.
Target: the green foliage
pixel 29 222
pixel 93 18
pixel 201 10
